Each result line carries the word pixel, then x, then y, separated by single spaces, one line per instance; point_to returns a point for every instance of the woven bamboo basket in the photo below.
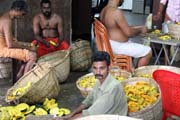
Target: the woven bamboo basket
pixel 174 30
pixel 44 84
pixel 85 91
pixel 148 70
pixel 5 67
pixel 107 117
pixel 80 55
pixel 60 60
pixel 151 112
pixel 116 71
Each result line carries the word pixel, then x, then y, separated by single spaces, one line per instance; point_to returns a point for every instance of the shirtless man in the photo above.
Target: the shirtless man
pixel 48 30
pixel 120 32
pixel 11 48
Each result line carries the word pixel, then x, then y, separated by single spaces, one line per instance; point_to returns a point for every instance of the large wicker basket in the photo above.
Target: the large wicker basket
pixel 60 60
pixel 151 112
pixel 116 71
pixel 85 91
pixel 80 55
pixel 174 30
pixel 148 70
pixel 44 83
pixel 107 117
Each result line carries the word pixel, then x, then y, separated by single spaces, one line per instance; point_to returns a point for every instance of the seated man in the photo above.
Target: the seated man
pixel 11 48
pixel 48 30
pixel 107 97
pixel 120 32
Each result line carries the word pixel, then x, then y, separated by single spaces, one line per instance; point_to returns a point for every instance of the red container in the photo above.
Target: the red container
pixel 169 83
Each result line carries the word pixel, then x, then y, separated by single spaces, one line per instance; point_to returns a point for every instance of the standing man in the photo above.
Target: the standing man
pixel 107 97
pixel 120 32
pixel 11 48
pixel 48 30
pixel 172 10
pixel 172 14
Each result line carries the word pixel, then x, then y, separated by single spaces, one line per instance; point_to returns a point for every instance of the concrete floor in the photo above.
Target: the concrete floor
pixel 70 96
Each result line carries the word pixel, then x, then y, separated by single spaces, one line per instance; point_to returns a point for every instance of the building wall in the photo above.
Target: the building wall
pixel 23 28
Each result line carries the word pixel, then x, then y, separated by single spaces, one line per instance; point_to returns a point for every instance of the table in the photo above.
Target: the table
pixel 164 43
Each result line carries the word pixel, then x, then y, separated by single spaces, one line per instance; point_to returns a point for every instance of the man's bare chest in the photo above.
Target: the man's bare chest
pixel 48 23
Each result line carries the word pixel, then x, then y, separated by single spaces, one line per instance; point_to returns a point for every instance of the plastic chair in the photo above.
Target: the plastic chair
pixel 103 44
pixel 169 83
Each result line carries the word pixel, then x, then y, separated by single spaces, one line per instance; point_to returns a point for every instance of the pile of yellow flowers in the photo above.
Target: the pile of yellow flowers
pixel 19 92
pixel 52 107
pixel 20 111
pixel 165 37
pixel 87 82
pixel 140 95
pixel 17 112
pixel 156 32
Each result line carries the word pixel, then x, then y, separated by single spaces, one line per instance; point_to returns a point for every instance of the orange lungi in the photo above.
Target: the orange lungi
pixel 16 53
pixel 43 50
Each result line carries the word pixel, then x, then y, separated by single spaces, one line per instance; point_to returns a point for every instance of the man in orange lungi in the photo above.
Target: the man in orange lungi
pixel 11 48
pixel 48 30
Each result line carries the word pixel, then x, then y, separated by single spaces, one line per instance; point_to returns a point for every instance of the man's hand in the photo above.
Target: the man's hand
pixel 58 43
pixel 33 48
pixel 47 44
pixel 144 29
pixel 67 117
pixel 157 17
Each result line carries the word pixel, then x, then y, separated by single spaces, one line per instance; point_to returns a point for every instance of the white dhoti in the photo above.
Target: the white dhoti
pixel 129 48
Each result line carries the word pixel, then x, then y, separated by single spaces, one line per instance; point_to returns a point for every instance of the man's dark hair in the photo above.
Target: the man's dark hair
pixel 100 5
pixel 20 5
pixel 45 1
pixel 101 56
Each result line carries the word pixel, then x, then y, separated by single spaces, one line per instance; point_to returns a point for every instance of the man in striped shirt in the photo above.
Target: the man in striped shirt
pixel 172 10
